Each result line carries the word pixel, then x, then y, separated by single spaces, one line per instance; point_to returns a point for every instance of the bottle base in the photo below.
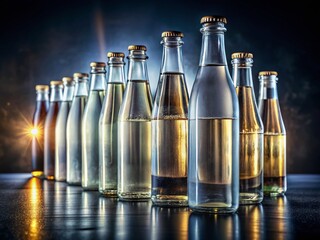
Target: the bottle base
pixel 74 183
pixel 279 193
pixel 51 178
pixel 134 196
pixel 170 200
pixel 38 174
pixel 90 188
pixel 60 179
pixel 250 198
pixel 213 208
pixel 110 193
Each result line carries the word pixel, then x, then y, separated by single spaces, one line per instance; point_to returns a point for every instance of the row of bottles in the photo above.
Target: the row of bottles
pixel 220 150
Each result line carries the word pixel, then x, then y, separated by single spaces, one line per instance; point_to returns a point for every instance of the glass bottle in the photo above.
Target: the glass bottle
pixel 74 159
pixel 61 126
pixel 213 168
pixel 90 127
pixel 275 182
pixel 170 127
pixel 108 125
pixel 37 131
pixel 251 131
pixel 49 129
pixel 134 160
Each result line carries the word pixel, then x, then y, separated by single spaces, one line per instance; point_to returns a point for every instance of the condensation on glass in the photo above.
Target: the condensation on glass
pixel 108 125
pixel 170 127
pixel 275 181
pixel 251 131
pixel 213 170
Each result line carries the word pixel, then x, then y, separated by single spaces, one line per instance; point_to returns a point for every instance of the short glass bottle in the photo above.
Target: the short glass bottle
pixel 134 160
pixel 108 125
pixel 61 127
pixel 275 181
pixel 50 129
pixel 251 131
pixel 74 158
pixel 170 127
pixel 90 127
pixel 37 131
pixel 213 168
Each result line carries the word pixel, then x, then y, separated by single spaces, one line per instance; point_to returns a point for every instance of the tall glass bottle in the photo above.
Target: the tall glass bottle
pixel 90 127
pixel 39 117
pixel 50 127
pixel 61 127
pixel 275 182
pixel 251 131
pixel 108 125
pixel 213 170
pixel 74 159
pixel 170 127
pixel 134 160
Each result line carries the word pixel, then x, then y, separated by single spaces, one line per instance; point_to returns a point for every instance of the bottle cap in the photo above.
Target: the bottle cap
pixel 56 83
pixel 42 88
pixel 67 79
pixel 210 19
pixel 115 54
pixel 137 47
pixel 97 64
pixel 268 73
pixel 241 55
pixel 80 75
pixel 172 34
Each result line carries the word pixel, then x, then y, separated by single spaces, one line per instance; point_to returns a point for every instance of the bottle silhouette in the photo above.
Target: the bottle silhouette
pixel 134 160
pixel 74 159
pixel 49 129
pixel 275 182
pixel 251 131
pixel 39 117
pixel 213 170
pixel 61 127
pixel 108 125
pixel 90 127
pixel 170 127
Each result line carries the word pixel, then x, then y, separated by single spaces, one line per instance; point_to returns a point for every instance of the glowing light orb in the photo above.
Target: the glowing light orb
pixel 34 131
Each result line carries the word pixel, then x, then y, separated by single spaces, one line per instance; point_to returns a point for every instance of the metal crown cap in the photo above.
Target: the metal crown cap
pixel 137 47
pixel 67 79
pixel 172 34
pixel 268 73
pixel 241 55
pixel 42 88
pixel 56 83
pixel 97 64
pixel 115 54
pixel 210 19
pixel 80 75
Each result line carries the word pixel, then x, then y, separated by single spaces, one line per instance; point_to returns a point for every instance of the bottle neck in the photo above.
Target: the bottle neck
pixel 172 60
pixel 81 88
pixel 42 96
pixel 68 92
pixel 116 70
pixel 56 94
pixel 242 72
pixel 213 47
pixel 268 88
pixel 98 79
pixel 137 68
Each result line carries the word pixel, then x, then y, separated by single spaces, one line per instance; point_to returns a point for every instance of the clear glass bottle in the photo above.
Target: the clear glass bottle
pixel 275 181
pixel 170 127
pixel 74 158
pixel 213 167
pixel 134 160
pixel 251 131
pixel 90 127
pixel 61 126
pixel 50 129
pixel 108 125
pixel 37 131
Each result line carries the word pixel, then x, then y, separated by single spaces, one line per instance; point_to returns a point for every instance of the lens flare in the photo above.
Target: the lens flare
pixel 34 131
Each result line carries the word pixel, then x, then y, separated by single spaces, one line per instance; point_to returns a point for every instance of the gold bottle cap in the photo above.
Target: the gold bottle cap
pixel 97 64
pixel 209 19
pixel 268 73
pixel 80 75
pixel 42 88
pixel 241 55
pixel 56 83
pixel 172 34
pixel 115 54
pixel 67 79
pixel 137 47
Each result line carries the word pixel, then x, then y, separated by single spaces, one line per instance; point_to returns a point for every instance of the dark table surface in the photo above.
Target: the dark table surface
pixel 38 209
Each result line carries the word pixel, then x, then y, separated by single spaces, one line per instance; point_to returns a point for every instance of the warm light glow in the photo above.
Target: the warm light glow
pixel 34 131
pixel 37 173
